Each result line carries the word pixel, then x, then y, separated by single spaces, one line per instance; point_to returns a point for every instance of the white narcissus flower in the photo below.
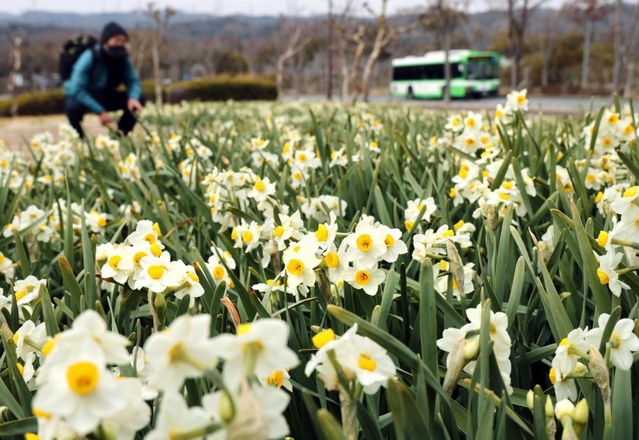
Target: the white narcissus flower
pixel 175 418
pixel 156 274
pixel 368 361
pixel 185 276
pixel 623 341
pixel 147 231
pixel 184 350
pixel 28 289
pixel 325 341
pixel 394 244
pixel 264 420
pixel 366 244
pixel 498 328
pixel 625 206
pixel 363 277
pixel 569 351
pixel 28 337
pixel 118 265
pixel 80 390
pixel 336 262
pixel 299 262
pixel 89 327
pixel 607 274
pixel 258 348
pixel 134 416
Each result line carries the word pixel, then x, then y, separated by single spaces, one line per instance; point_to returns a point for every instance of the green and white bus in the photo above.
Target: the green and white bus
pixel 473 74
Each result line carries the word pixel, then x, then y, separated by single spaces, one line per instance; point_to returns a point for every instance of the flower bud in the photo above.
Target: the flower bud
pixel 471 348
pixel 600 373
pixel 550 411
pixel 564 408
pixel 580 415
pixel 226 407
pixel 530 399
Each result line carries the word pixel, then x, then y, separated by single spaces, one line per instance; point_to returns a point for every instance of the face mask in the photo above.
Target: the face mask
pixel 116 51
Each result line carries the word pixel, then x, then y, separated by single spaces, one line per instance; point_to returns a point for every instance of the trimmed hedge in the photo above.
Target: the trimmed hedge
pixel 223 88
pixel 220 88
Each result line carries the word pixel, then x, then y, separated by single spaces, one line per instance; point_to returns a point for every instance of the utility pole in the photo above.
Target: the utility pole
pixel 329 92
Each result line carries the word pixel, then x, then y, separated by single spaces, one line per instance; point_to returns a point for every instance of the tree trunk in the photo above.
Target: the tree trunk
pixel 546 62
pixel 298 74
pixel 280 77
pixel 630 74
pixel 447 74
pixel 343 62
pixel 585 60
pixel 616 75
pixel 157 77
pixel 16 57
pixel 368 72
pixel 355 76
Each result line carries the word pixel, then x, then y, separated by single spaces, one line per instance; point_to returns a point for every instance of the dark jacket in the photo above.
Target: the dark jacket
pixel 89 79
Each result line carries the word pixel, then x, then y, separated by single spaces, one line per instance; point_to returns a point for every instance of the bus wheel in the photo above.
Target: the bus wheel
pixel 409 94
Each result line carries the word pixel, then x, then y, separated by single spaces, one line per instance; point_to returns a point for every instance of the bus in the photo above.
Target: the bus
pixel 473 74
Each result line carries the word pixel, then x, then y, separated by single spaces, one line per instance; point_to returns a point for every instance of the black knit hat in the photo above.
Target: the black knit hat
pixel 111 30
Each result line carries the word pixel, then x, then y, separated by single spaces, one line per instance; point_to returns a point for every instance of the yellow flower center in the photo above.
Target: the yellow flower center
pixel 631 192
pixel 48 346
pixel 156 272
pixel 470 122
pixel 243 328
pixel 20 368
pixel 613 119
pixel 599 197
pixel 615 341
pixel 83 377
pixel 603 276
pixel 234 234
pixel 332 260
pixel 260 186
pixel 409 225
pixel 278 232
pixel 602 239
pixel 323 338
pixel 193 277
pixel 138 256
pixel 552 375
pixel 507 184
pixel 564 342
pixel 219 272
pixel 20 294
pixel 2 258
pixel 364 243
pixel 389 241
pixel 322 233
pixel 102 222
pixel 37 412
pixel 504 196
pixel 362 277
pixel 31 436
pixel 295 267
pixel 452 193
pixel 276 379
pixel 155 250
pixel 150 238
pixel 590 178
pixel 247 236
pixel 459 225
pixel 521 99
pixel 114 261
pixel 366 363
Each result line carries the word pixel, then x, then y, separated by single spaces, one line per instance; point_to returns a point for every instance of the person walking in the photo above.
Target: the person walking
pixel 96 76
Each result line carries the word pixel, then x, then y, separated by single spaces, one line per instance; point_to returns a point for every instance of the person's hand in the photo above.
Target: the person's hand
pixel 134 105
pixel 105 119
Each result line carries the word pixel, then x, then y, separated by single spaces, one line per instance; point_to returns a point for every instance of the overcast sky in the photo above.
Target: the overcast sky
pixel 254 7
pixel 222 7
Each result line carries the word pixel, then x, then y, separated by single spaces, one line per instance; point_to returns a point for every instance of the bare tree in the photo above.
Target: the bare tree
pixel 386 34
pixel 442 17
pixel 518 14
pixel 160 23
pixel 140 40
pixel 295 46
pixel 586 13
pixel 15 61
pixel 629 51
pixel 547 40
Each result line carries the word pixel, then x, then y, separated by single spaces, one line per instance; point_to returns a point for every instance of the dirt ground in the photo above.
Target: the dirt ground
pixel 14 130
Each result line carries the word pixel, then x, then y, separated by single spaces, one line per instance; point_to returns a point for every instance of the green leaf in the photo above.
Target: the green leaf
pixel 623 411
pixel 330 428
pixel 50 321
pixel 19 427
pixel 407 417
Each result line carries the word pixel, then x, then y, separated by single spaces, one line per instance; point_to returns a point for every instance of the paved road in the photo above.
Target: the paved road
pixel 558 105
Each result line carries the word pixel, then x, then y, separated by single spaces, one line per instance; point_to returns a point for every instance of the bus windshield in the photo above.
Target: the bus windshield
pixel 482 71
